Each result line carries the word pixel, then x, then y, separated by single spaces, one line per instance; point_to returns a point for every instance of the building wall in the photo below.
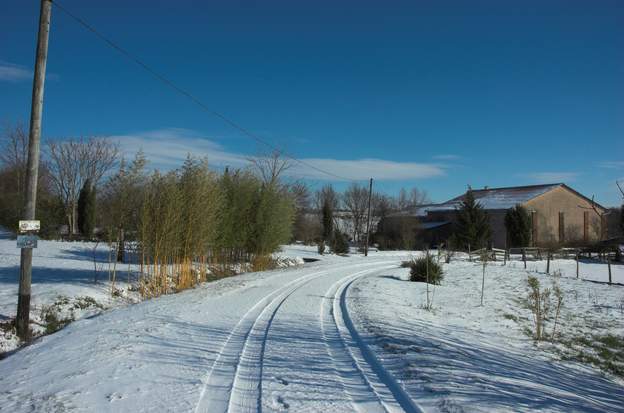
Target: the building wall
pixel 547 209
pixel 497 226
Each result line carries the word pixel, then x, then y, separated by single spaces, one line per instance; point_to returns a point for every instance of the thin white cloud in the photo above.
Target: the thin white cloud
pixel 447 157
pixel 552 177
pixel 10 72
pixel 167 148
pixel 612 164
pixel 362 169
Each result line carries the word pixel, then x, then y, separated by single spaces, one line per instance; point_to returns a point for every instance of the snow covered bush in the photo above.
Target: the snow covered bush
pixel 427 270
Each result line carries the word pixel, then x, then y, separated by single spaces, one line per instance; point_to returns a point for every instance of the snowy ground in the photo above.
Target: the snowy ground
pixel 72 281
pixel 465 357
pixel 63 275
pixel 340 334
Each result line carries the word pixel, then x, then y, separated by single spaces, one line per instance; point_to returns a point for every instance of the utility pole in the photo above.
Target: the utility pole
pixel 370 195
pixel 32 171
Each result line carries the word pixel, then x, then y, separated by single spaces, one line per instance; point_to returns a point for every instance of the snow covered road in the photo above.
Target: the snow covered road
pixel 223 347
pixel 337 335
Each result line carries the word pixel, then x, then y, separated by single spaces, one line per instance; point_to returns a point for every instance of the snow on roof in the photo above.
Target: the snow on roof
pixel 504 198
pixel 431 225
pixel 491 198
pixel 494 198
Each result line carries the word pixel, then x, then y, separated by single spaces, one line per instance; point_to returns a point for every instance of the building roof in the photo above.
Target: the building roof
pixel 504 198
pixel 493 199
pixel 432 224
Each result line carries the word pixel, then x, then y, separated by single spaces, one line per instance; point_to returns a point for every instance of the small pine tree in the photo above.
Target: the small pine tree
pixel 518 224
pixel 86 209
pixel 340 245
pixel 427 270
pixel 473 227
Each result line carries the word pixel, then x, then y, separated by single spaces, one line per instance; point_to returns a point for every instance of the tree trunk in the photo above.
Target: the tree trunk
pixel 121 246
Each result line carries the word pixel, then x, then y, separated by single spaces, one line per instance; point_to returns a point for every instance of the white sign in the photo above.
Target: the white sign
pixel 28 226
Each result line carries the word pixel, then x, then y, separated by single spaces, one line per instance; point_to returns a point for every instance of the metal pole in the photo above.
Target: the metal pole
pixel 32 171
pixel 370 194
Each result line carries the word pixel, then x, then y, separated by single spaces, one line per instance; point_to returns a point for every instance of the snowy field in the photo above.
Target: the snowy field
pixel 63 275
pixel 339 334
pixel 462 356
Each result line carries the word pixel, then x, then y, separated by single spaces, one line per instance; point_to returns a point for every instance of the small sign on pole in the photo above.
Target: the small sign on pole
pixel 29 226
pixel 27 241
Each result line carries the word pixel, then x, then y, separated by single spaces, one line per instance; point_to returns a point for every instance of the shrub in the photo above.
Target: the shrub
pixel 539 304
pixel 263 263
pixel 340 243
pixel 321 247
pixel 426 269
pixel 53 320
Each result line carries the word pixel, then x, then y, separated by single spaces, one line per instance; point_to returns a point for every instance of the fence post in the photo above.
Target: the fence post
pixel 548 263
pixel 469 255
pixel 577 265
pixel 524 257
pixel 609 265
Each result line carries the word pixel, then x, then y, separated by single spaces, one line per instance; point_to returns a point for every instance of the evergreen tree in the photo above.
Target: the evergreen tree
pixel 327 220
pixel 622 218
pixel 473 227
pixel 86 209
pixel 340 245
pixel 518 224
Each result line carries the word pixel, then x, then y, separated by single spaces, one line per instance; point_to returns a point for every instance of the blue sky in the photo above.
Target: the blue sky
pixel 430 94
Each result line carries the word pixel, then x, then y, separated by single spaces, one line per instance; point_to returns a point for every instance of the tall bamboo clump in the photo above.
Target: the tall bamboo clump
pixel 194 223
pixel 178 226
pixel 256 218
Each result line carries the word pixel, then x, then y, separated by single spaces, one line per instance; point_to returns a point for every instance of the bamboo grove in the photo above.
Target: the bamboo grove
pixel 192 224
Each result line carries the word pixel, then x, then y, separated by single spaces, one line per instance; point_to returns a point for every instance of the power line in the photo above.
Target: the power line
pixel 189 95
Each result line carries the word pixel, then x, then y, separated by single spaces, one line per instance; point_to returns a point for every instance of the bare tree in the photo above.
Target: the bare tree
pixel 270 167
pixel 413 198
pixel 601 216
pixel 72 162
pixel 301 195
pixel 418 197
pixel 402 200
pixel 329 194
pixel 306 227
pixel 355 200
pixel 14 152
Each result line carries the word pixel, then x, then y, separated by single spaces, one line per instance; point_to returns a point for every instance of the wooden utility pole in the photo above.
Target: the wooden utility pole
pixel 370 195
pixel 32 171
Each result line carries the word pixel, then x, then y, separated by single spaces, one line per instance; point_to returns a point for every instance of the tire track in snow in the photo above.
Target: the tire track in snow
pixel 234 383
pixel 368 384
